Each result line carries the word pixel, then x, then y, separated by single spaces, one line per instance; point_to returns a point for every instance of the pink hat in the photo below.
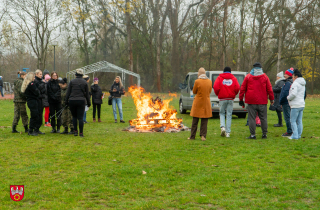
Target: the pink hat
pixel 47 77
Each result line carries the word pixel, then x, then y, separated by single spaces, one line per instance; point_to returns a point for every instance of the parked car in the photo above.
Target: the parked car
pixel 187 96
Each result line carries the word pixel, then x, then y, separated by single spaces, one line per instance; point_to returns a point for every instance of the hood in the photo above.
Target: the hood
pixel 280 80
pixel 257 77
pixel 256 71
pixel 289 80
pixel 226 76
pixel 301 81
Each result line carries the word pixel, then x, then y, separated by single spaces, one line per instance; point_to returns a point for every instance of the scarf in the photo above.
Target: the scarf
pixel 203 76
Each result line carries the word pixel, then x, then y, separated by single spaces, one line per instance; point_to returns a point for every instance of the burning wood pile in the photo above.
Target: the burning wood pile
pixel 154 115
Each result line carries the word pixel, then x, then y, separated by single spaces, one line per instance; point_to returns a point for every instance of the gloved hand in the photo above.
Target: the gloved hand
pixel 241 103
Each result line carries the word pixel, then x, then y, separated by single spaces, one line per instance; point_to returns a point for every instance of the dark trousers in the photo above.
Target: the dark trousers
pixel 34 114
pixel 54 109
pixel 77 108
pixel 40 113
pixel 96 106
pixel 279 117
pixel 286 114
pixel 262 113
pixel 203 127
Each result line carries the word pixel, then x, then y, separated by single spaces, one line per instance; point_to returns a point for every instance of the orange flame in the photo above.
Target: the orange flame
pixel 173 94
pixel 152 113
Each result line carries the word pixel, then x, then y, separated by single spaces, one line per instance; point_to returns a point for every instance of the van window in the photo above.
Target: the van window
pixel 240 78
pixel 193 78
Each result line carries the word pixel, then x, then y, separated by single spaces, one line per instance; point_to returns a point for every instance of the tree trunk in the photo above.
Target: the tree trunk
pixel 224 47
pixel 252 35
pixel 314 65
pixel 240 36
pixel 129 40
pixel 280 37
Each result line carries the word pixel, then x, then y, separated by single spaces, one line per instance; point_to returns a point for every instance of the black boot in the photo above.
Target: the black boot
pixel 65 131
pixel 58 129
pixel 32 133
pixel 38 131
pixel 14 129
pixel 71 131
pixel 53 129
pixel 26 129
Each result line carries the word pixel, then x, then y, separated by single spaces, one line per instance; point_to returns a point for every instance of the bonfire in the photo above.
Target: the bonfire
pixel 153 114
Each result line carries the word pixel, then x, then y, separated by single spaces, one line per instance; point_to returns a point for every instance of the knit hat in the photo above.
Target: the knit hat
pixel 257 64
pixel 280 74
pixel 47 77
pixel 63 81
pixel 79 71
pixel 227 69
pixel 201 71
pixel 95 79
pixel 45 72
pixel 86 77
pixel 290 72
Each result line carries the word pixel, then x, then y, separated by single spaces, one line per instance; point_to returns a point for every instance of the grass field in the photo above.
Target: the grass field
pixel 104 169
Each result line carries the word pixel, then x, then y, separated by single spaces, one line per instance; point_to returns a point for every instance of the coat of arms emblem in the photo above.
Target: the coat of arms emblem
pixel 16 192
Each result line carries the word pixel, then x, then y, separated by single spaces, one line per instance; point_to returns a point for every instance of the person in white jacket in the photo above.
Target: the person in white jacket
pixel 296 101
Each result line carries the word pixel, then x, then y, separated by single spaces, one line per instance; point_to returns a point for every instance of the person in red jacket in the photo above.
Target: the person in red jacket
pixel 226 87
pixel 256 87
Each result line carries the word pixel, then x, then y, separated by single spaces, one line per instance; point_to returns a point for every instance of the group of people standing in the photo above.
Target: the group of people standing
pixel 64 103
pixel 288 94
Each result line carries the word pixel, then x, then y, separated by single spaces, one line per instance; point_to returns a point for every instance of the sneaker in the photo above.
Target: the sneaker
pixel 258 125
pixel 277 125
pixel 203 138
pixel 85 122
pixel 81 135
pixel 287 134
pixel 228 135
pixel 223 131
pixel 264 136
pixel 47 125
pixel 115 121
pixel 75 133
pixel 122 121
pixel 252 137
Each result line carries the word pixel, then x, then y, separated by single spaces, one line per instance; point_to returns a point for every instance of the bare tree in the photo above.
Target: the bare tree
pixel 37 20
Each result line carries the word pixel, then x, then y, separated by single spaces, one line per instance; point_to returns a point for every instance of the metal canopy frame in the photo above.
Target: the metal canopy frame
pixel 104 66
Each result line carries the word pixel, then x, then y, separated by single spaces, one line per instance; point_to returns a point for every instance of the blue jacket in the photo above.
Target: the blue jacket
pixel 285 91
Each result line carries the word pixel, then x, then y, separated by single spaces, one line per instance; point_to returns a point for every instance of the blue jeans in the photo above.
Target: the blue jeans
pixel 1 90
pixel 226 106
pixel 296 122
pixel 117 101
pixel 85 116
pixel 286 114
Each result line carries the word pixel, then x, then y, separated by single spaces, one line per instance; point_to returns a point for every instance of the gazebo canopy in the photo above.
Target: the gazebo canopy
pixel 104 66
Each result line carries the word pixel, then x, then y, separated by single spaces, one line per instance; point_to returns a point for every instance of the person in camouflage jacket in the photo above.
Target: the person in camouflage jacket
pixel 19 105
pixel 66 113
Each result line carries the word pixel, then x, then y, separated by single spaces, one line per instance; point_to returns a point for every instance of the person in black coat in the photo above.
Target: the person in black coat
pixel 77 95
pixel 41 87
pixel 31 92
pixel 276 91
pixel 54 99
pixel 96 99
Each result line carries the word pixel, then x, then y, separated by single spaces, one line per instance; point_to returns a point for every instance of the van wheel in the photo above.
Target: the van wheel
pixel 242 115
pixel 181 109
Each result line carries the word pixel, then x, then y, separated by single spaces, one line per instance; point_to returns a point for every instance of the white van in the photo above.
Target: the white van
pixel 187 96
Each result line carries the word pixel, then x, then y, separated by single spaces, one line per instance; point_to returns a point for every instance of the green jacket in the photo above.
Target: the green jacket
pixel 18 95
pixel 63 95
